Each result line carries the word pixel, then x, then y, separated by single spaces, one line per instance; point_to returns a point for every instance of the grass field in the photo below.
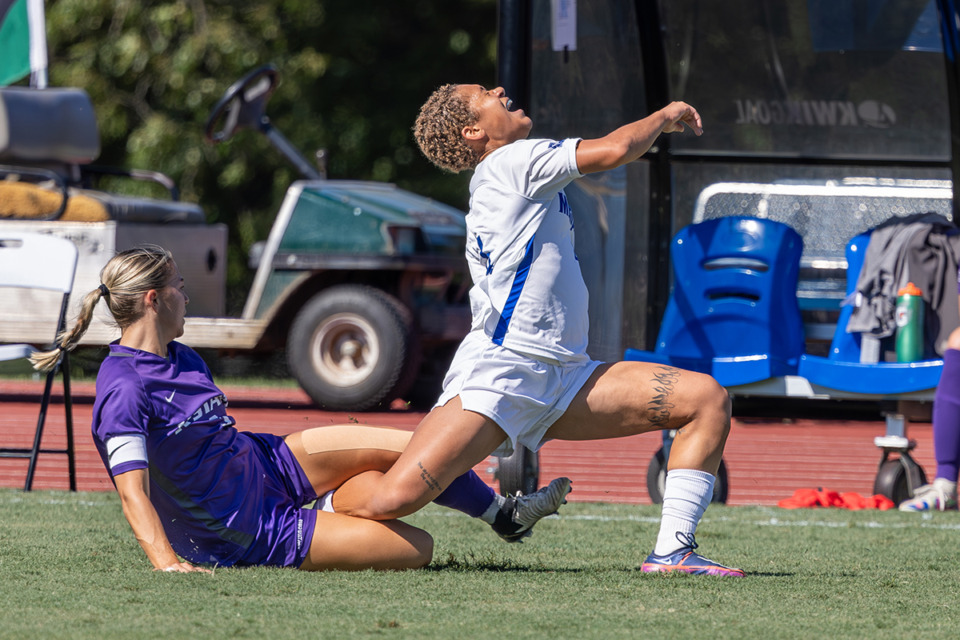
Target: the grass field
pixel 70 568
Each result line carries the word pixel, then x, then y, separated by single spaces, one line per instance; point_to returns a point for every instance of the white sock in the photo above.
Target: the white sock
pixel 947 485
pixel 686 495
pixel 326 502
pixel 490 514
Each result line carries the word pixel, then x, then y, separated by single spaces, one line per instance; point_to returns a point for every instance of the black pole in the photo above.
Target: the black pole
pixel 657 88
pixel 513 50
pixel 950 30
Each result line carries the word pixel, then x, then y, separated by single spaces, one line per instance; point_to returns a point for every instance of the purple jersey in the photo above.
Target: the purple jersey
pixel 223 496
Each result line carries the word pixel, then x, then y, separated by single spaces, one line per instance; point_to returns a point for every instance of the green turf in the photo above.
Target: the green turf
pixel 70 568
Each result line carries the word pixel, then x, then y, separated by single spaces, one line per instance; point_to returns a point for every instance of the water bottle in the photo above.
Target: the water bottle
pixel 909 318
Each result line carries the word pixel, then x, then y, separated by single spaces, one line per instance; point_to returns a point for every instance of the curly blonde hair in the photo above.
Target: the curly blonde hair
pixel 438 130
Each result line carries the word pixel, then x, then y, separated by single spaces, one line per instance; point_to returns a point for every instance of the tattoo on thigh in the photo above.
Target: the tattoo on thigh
pixel 430 481
pixel 664 381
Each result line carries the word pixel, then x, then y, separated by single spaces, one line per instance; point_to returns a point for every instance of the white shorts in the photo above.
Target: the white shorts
pixel 522 394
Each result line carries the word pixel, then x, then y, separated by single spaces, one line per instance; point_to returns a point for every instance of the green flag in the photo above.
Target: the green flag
pixel 23 42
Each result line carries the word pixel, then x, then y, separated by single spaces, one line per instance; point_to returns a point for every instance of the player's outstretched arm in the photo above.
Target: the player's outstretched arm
pixel 139 512
pixel 631 141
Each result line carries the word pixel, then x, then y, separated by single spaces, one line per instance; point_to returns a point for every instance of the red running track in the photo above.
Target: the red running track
pixel 766 460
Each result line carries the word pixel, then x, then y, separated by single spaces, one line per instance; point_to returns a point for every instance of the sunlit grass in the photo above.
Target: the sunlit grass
pixel 71 569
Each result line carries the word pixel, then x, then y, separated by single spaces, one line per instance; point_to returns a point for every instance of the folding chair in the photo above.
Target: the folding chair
pixel 30 261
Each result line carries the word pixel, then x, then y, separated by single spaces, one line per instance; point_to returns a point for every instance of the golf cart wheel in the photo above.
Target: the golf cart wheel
pixel 657 478
pixel 893 480
pixel 519 472
pixel 351 348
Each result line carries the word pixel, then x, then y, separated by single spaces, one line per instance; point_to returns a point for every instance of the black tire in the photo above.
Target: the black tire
pixel 657 477
pixel 350 348
pixel 893 480
pixel 519 472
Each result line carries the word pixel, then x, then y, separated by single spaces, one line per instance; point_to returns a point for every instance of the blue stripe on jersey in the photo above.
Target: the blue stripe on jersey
pixel 484 257
pixel 518 281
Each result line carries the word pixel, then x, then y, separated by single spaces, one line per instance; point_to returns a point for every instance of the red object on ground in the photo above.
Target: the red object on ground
pixel 804 498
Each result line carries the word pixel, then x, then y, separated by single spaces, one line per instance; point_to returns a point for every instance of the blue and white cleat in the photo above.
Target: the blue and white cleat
pixel 686 560
pixel 941 495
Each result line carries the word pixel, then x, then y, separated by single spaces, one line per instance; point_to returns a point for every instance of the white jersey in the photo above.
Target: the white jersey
pixel 528 295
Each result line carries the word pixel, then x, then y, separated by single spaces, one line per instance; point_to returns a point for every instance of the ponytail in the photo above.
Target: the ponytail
pixel 123 281
pixel 69 339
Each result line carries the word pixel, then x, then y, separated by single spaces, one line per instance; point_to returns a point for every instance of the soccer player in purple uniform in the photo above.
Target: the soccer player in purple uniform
pixel 196 491
pixel 941 494
pixel 522 375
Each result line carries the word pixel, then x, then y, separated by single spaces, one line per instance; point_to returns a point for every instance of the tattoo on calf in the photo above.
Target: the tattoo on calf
pixel 428 479
pixel 664 380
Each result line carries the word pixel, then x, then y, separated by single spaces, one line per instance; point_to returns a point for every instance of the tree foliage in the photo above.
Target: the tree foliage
pixel 353 75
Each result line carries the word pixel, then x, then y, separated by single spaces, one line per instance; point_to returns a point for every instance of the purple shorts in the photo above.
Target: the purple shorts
pixel 286 528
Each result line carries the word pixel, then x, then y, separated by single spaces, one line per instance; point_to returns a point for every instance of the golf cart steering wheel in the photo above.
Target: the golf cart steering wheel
pixel 243 104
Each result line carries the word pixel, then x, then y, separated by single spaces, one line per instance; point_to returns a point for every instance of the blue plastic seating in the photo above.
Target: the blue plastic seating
pixel 842 369
pixel 733 310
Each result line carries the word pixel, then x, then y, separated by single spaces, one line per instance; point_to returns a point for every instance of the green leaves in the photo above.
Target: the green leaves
pixel 353 76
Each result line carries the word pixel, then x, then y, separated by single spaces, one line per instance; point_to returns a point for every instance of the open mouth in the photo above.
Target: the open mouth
pixel 509 104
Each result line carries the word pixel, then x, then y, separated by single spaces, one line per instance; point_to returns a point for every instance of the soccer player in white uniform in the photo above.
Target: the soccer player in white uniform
pixel 522 375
